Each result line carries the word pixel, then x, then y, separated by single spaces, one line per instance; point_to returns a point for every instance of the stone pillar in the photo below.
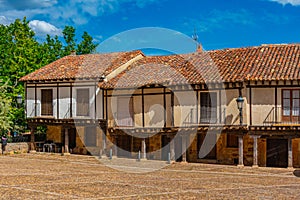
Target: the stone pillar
pixel 241 149
pixel 183 147
pixel 103 143
pixel 144 153
pixel 32 143
pixel 66 151
pixel 290 153
pixel 172 150
pixel 115 146
pixel 255 159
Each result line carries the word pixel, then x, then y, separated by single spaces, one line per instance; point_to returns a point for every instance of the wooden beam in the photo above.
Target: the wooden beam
pixel 95 100
pixel 35 101
pixel 172 108
pixel 71 101
pixel 165 109
pixel 57 100
pixel 143 108
pixel 250 102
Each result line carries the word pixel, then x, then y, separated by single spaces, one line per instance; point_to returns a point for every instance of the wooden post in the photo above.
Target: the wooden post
pixel 144 153
pixel 66 149
pixel 183 147
pixel 172 150
pixel 255 160
pixel 32 144
pixel 290 153
pixel 241 149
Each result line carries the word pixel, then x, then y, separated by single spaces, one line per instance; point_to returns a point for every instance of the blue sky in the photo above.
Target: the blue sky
pixel 219 23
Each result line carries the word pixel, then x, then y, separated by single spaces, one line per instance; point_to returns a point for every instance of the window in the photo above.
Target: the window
pixel 208 107
pixel 232 141
pixel 290 105
pixel 82 106
pixel 90 136
pixel 47 102
pixel 125 111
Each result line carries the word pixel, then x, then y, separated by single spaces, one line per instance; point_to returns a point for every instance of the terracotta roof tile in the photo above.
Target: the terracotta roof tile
pixel 82 66
pixel 267 62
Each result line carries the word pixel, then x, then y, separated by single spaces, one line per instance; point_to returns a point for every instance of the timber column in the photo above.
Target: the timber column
pixel 255 160
pixel 172 150
pixel 290 153
pixel 144 153
pixel 241 149
pixel 183 147
pixel 32 144
pixel 66 146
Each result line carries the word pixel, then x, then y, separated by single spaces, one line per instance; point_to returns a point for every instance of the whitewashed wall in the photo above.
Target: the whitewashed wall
pixel 64 101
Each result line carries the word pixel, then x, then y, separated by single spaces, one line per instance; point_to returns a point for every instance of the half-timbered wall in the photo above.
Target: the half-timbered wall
pixel 64 100
pixel 159 107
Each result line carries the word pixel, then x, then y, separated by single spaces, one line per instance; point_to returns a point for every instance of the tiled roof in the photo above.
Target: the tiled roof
pixel 169 70
pixel 81 66
pixel 267 62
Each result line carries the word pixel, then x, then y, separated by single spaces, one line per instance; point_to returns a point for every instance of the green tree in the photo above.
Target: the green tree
pixel 21 54
pixel 69 35
pixel 5 116
pixel 86 46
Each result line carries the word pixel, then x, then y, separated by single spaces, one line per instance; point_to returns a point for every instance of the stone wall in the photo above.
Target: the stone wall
pixel 54 133
pixel 225 155
pixel 155 147
pixel 22 147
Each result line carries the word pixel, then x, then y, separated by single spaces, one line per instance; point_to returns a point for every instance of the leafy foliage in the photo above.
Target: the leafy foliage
pixel 5 117
pixel 21 54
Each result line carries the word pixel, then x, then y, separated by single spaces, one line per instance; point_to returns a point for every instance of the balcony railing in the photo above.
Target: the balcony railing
pixel 283 115
pixel 207 116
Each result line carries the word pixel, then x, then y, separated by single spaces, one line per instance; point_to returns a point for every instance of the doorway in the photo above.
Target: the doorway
pixel 277 152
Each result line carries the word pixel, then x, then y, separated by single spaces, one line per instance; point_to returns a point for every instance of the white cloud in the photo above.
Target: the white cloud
pixel 5 21
pixel 66 12
pixel 28 4
pixel 284 2
pixel 44 28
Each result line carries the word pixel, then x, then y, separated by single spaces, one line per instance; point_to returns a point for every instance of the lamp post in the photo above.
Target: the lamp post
pixel 19 99
pixel 240 102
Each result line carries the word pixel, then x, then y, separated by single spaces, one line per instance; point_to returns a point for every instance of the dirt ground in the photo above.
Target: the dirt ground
pixel 52 176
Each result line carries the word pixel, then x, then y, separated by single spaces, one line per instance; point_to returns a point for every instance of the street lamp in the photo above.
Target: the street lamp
pixel 240 102
pixel 19 99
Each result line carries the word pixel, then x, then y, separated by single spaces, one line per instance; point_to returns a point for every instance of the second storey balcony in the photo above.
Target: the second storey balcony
pixel 279 116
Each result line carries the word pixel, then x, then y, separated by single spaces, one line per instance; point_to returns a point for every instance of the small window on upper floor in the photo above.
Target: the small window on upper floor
pixel 208 107
pixel 47 102
pixel 82 102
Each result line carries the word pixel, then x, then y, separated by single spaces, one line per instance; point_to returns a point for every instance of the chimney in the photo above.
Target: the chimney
pixel 73 53
pixel 199 48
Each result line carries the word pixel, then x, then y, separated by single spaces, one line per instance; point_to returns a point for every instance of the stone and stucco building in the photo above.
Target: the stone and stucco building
pixel 182 106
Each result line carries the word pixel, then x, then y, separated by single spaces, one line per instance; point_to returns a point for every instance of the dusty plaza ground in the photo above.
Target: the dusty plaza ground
pixel 52 176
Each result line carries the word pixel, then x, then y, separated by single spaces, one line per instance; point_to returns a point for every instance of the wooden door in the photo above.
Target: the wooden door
pixel 124 146
pixel 178 148
pixel 165 143
pixel 82 102
pixel 72 138
pixel 47 102
pixel 277 152
pixel 125 111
